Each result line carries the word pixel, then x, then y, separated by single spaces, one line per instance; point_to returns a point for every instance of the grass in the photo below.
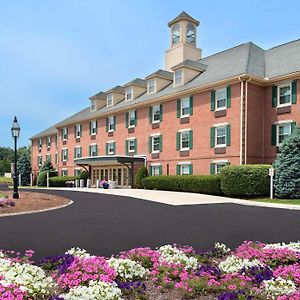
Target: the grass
pixel 4 180
pixel 3 195
pixel 277 201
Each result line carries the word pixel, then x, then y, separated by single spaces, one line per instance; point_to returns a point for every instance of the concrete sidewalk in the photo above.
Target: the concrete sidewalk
pixel 177 198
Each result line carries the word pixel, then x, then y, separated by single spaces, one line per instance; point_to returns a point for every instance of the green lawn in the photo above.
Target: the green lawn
pixel 4 180
pixel 278 201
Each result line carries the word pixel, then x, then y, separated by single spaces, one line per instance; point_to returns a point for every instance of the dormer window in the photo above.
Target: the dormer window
pixel 178 76
pixel 190 34
pixel 128 93
pixel 93 105
pixel 175 34
pixel 151 86
pixel 109 99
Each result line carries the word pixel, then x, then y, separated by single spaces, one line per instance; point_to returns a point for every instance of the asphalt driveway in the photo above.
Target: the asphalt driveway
pixel 106 224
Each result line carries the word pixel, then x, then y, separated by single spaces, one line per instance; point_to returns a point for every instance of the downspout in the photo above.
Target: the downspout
pixel 241 122
pixel 246 119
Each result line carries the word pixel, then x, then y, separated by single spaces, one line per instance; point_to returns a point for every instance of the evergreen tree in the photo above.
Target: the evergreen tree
pixel 47 166
pixel 287 167
pixel 24 168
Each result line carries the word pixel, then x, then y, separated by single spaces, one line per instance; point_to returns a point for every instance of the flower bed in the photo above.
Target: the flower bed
pixel 252 271
pixel 5 201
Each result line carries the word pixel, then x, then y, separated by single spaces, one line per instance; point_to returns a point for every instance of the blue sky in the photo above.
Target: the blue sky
pixel 55 54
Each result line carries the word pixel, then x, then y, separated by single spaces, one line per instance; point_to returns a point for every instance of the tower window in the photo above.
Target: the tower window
pixel 190 34
pixel 175 34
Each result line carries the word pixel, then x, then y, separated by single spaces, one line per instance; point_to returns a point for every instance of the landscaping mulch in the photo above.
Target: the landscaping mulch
pixel 30 201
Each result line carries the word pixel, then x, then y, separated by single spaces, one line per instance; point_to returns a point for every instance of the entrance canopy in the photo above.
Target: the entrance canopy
pixel 108 160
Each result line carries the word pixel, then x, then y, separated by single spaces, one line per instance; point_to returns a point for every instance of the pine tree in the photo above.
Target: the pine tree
pixel 47 166
pixel 287 168
pixel 24 168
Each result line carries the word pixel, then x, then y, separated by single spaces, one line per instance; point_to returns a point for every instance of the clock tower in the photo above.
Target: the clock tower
pixel 183 36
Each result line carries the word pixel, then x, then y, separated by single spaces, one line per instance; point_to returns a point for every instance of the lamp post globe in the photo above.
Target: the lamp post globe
pixel 15 132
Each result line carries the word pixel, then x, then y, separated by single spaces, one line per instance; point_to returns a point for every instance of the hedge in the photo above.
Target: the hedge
pixel 140 174
pixel 245 181
pixel 205 184
pixel 42 177
pixel 60 181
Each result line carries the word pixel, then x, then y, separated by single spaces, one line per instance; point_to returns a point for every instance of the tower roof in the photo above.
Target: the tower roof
pixel 183 16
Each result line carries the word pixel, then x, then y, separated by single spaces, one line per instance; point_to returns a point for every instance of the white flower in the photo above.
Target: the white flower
pixel 172 254
pixel 127 269
pixel 233 264
pixel 279 286
pixel 222 248
pixel 97 290
pixel 78 252
pixel 291 246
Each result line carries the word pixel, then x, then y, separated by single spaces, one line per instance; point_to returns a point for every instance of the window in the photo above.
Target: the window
pixel 185 169
pixel 78 131
pixel 110 148
pixel 151 86
pixel 284 130
pixel 131 145
pixel 65 134
pixel 64 172
pixel 77 172
pixel 111 123
pixel 40 143
pixel 131 118
pixel 215 167
pixel 185 137
pixel 221 136
pixel 93 150
pixel 284 95
pixel 128 93
pixel 184 140
pixel 48 157
pixel 221 98
pixel 64 154
pixel 175 34
pixel 178 77
pixel 190 34
pixel 40 161
pixel 185 107
pixel 93 127
pixel 156 113
pixel 48 141
pixel 77 152
pixel 156 170
pixel 109 99
pixel 93 105
pixel 155 144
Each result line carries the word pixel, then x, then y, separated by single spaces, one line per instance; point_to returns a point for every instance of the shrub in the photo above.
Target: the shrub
pixel 5 180
pixel 245 181
pixel 287 171
pixel 60 181
pixel 205 184
pixel 85 176
pixel 24 167
pixel 42 177
pixel 141 173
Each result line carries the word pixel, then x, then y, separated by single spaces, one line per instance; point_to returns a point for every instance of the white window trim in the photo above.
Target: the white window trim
pixel 131 126
pixel 283 122
pixel 216 138
pixel 181 101
pixel 155 164
pixel 152 143
pixel 130 139
pixel 154 85
pixel 152 117
pixel 129 99
pixel 277 131
pixel 185 129
pixel 108 143
pixel 223 107
pixel 184 164
pixel 220 161
pixel 111 117
pixel 63 150
pixel 40 160
pixel 182 77
pixel 278 95
pixel 112 100
pixel 93 122
pixel 93 144
pixel 65 134
pixel 182 131
pixel 78 126
pixel 155 134
pixel 40 143
pixel 47 141
pixel 78 147
pixel 64 170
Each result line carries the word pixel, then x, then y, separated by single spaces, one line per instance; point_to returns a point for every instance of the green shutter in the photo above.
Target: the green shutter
pixel 90 151
pixel 228 135
pixel 191 105
pixel 212 137
pixel 67 132
pixel 127 116
pixel 161 112
pixel 228 98
pixel 213 100
pixel 150 171
pixel 160 170
pixel 178 141
pixel 62 155
pixel 178 169
pixel 293 126
pixel 191 139
pixel 135 146
pixel 80 151
pixel 190 169
pixel 274 135
pixel 150 144
pixel 67 154
pixel 115 122
pixel 80 130
pixel 126 147
pixel 135 118
pixel 75 131
pixel 106 149
pixel 106 124
pixel 150 114
pixel 212 168
pixel 96 126
pixel 160 143
pixel 114 147
pixel 178 108
pixel 274 95
pixel 90 128
pixel 74 153
pixel 294 92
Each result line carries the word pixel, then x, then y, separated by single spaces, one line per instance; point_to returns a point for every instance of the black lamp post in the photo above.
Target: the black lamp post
pixel 15 132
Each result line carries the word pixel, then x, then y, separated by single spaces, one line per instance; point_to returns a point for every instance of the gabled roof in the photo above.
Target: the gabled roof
pixel 183 16
pixel 138 82
pixel 99 95
pixel 195 65
pixel 161 73
pixel 117 89
pixel 49 131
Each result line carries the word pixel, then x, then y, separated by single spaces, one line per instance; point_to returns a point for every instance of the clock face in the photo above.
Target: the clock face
pixel 190 35
pixel 175 34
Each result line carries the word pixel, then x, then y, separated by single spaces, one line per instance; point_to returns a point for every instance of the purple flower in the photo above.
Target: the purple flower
pixel 60 263
pixel 212 270
pixel 132 286
pixel 234 296
pixel 258 274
